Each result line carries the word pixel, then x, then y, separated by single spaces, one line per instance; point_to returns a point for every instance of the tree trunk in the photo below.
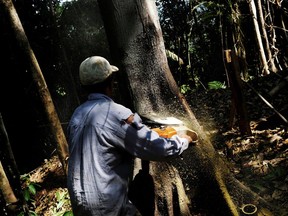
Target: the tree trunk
pixel 201 178
pixel 275 15
pixel 265 37
pixel 8 156
pixel 235 65
pixel 238 104
pixel 6 190
pixel 258 37
pixel 5 186
pixel 55 125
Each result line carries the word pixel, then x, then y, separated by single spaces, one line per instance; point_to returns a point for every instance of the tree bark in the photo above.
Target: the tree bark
pixel 265 37
pixel 238 104
pixel 5 186
pixel 6 190
pixel 8 156
pixel 263 59
pixel 55 125
pixel 201 178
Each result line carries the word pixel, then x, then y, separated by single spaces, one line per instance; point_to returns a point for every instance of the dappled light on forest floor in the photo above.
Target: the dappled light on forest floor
pixel 259 161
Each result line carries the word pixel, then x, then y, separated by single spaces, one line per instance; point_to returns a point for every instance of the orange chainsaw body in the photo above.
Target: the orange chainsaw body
pixel 166 132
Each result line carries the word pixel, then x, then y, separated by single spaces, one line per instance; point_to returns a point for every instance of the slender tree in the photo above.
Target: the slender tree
pixel 235 66
pixel 278 28
pixel 5 186
pixel 8 156
pixel 22 40
pixel 6 190
pixel 265 37
pixel 253 11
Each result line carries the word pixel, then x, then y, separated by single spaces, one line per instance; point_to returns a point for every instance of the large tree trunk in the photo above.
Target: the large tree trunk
pixel 28 54
pixel 201 178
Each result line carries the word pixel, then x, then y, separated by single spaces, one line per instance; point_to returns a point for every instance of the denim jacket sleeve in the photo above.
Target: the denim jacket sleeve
pixel 146 144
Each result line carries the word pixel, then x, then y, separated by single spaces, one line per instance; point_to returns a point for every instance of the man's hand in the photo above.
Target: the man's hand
pixel 187 137
pixel 130 119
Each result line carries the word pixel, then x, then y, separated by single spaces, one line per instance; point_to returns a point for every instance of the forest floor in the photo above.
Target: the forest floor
pixel 260 161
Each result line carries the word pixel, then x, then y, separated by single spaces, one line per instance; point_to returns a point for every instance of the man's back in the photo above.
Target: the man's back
pixel 98 169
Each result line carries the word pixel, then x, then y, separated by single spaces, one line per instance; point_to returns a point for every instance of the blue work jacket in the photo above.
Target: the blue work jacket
pixel 102 147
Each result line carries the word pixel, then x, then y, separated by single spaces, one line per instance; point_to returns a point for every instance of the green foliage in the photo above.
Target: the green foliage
pixel 191 32
pixel 61 213
pixel 28 192
pixel 62 206
pixel 63 202
pixel 184 89
pixel 68 213
pixel 61 91
pixel 30 188
pixel 216 85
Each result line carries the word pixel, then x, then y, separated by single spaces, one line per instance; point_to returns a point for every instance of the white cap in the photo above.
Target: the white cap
pixel 95 69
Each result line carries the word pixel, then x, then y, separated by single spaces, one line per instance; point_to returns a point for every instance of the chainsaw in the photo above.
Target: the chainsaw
pixel 166 128
pixel 169 131
pixel 170 126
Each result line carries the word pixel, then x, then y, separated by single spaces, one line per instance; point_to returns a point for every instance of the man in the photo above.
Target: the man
pixel 104 137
